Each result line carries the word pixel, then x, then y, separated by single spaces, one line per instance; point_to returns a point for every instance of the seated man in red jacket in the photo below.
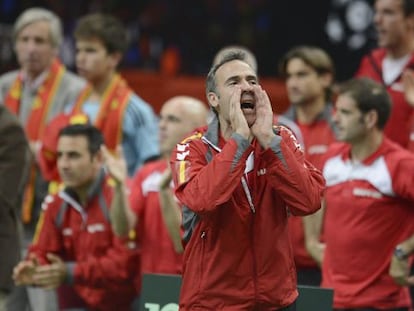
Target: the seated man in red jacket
pixel 74 248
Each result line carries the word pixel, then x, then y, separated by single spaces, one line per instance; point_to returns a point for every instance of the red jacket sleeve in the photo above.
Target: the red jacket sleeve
pixel 402 180
pixel 296 180
pixel 47 238
pixel 120 263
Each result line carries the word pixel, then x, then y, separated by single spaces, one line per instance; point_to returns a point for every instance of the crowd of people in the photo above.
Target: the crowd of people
pixel 245 204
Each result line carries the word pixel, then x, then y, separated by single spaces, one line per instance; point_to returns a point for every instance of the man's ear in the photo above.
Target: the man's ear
pixel 410 21
pixel 98 157
pixel 213 100
pixel 326 79
pixel 115 58
pixel 371 119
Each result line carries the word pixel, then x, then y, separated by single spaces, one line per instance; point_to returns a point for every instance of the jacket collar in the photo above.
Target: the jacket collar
pixel 94 189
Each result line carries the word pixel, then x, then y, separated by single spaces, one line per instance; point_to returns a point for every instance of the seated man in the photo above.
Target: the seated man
pixel 74 248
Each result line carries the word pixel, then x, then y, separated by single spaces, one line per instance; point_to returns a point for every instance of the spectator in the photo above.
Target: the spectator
pixel 39 90
pixel 13 164
pixel 75 249
pixel 153 210
pixel 36 92
pixel 108 101
pixel 237 178
pixel 309 74
pixel 394 22
pixel 369 198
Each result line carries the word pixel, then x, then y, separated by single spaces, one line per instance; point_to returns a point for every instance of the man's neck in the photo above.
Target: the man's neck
pixel 401 50
pixel 34 79
pixel 83 191
pixel 365 147
pixel 101 85
pixel 31 76
pixel 225 128
pixel 308 113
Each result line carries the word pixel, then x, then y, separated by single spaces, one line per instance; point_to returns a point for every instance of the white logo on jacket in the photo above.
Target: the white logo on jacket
pixel 367 193
pixel 183 155
pixel 151 183
pixel 182 151
pixel 317 149
pixel 99 227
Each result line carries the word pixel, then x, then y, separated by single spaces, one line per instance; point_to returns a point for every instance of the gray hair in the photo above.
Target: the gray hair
pixel 249 56
pixel 228 57
pixel 33 15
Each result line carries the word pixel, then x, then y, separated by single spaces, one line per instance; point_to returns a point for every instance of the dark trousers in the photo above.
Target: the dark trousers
pixel 309 276
pixel 372 309
pixel 291 307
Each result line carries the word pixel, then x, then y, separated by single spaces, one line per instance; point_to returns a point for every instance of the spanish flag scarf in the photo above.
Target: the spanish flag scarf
pixel 36 121
pixel 111 110
pixel 42 103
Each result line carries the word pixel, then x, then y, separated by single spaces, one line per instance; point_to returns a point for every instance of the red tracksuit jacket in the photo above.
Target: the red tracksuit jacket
pixel 102 269
pixel 237 198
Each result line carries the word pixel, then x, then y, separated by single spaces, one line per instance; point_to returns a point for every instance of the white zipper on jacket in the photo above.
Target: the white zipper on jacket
pixel 248 194
pixel 243 179
pixel 76 206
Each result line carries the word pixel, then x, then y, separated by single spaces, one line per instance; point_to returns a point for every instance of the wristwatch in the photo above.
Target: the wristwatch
pixel 400 254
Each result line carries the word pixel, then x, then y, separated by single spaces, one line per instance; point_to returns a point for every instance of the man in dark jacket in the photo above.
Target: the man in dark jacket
pixel 14 154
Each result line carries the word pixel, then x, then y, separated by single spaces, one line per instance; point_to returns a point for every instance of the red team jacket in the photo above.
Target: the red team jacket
pixel 317 137
pixel 157 249
pixel 369 210
pixel 399 125
pixel 237 198
pixel 101 267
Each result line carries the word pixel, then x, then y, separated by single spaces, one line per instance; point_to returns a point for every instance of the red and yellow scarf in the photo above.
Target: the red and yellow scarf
pixel 111 111
pixel 36 121
pixel 42 103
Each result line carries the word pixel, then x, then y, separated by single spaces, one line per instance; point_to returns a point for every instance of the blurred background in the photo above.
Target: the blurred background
pixel 180 37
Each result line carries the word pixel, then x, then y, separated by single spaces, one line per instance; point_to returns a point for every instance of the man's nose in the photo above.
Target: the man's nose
pixel 246 85
pixel 63 162
pixel 31 45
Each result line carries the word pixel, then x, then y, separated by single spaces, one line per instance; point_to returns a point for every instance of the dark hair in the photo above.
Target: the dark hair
pixel 106 28
pixel 314 57
pixel 368 95
pixel 91 133
pixel 228 57
pixel 408 7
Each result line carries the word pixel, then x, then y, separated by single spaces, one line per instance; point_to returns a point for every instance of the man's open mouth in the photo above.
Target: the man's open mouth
pixel 247 106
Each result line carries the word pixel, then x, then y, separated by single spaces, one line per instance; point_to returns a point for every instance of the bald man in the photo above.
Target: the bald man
pixel 150 208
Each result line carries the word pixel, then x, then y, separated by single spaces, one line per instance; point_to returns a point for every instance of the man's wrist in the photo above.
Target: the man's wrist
pixel 400 253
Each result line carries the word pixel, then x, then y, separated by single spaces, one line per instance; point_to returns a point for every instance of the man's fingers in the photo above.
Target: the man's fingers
pixel 119 151
pixel 53 258
pixel 410 280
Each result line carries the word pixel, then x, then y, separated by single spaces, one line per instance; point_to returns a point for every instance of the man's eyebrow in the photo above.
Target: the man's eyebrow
pixel 232 78
pixel 236 78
